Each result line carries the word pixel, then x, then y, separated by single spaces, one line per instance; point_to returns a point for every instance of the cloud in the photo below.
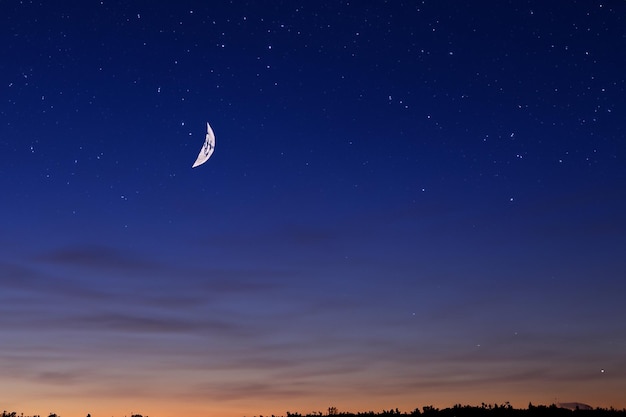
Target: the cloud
pixel 58 284
pixel 13 276
pixel 108 261
pixel 32 288
pixel 100 257
pixel 58 377
pixel 245 390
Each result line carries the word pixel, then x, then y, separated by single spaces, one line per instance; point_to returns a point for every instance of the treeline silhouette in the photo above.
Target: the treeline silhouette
pixel 485 410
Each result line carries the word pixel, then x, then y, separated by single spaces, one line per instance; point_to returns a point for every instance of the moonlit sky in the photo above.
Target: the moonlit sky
pixel 410 203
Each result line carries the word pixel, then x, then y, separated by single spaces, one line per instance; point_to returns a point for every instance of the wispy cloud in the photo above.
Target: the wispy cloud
pixel 99 257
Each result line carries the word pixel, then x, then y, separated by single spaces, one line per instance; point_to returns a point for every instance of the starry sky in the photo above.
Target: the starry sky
pixel 410 203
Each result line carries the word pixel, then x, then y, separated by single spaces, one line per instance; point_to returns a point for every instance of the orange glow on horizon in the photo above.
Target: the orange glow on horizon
pixel 167 406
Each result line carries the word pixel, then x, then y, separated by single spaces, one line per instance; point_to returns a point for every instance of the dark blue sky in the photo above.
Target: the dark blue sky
pixel 409 203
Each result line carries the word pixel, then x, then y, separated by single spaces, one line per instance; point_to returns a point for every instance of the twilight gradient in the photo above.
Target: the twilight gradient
pixel 410 203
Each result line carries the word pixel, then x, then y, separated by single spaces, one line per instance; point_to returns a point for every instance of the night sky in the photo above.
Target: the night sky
pixel 410 203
